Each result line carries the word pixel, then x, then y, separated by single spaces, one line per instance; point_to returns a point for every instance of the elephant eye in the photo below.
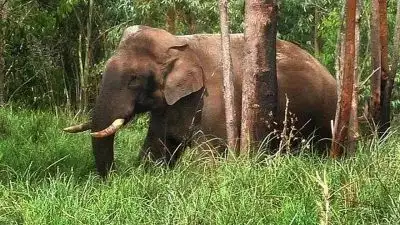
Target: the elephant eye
pixel 133 82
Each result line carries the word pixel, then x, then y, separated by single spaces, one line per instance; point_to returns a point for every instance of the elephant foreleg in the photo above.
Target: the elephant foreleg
pixel 159 147
pixel 161 150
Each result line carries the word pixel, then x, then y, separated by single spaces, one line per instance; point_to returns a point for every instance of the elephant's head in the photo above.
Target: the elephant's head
pixel 150 70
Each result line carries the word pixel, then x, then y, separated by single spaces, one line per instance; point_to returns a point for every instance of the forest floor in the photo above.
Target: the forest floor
pixel 48 177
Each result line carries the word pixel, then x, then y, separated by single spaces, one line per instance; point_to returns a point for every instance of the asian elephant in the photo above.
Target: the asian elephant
pixel 178 80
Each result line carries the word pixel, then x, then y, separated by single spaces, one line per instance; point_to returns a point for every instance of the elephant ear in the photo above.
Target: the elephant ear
pixel 184 74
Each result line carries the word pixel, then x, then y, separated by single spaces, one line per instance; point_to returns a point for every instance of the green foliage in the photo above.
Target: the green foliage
pixel 47 177
pixel 42 38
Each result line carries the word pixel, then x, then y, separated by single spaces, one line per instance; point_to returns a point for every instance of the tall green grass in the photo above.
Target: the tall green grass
pixel 48 177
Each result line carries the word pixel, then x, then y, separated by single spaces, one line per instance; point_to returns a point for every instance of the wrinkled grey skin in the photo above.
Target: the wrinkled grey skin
pixel 178 79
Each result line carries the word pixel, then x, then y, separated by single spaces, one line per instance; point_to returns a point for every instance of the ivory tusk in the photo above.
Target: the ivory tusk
pixel 78 128
pixel 114 127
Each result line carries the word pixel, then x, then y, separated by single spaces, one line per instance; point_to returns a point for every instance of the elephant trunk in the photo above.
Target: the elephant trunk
pixel 103 150
pixel 106 120
pixel 103 147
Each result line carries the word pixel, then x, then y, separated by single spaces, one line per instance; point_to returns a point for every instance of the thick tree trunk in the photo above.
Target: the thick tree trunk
pixel 230 113
pixel 341 130
pixel 387 79
pixel 259 100
pixel 375 102
pixel 384 119
pixel 354 127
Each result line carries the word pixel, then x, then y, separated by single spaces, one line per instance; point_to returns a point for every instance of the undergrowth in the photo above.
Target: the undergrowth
pixel 48 177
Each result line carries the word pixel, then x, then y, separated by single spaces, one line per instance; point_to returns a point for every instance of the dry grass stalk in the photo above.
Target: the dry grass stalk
pixel 325 205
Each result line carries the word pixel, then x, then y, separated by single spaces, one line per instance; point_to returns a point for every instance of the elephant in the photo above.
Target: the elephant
pixel 178 81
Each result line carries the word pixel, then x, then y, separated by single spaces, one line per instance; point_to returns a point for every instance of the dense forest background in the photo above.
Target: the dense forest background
pixel 54 50
pixel 52 54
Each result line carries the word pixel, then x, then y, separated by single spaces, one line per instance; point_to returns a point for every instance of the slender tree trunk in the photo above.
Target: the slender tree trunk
pixel 341 131
pixel 375 103
pixel 85 63
pixel 3 11
pixel 230 112
pixel 191 23
pixel 384 120
pixel 66 92
pixel 259 100
pixel 339 63
pixel 171 17
pixel 354 127
pixel 80 74
pixel 88 56
pixel 316 33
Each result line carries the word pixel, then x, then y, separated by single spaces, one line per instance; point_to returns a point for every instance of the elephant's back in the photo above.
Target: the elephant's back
pixel 310 88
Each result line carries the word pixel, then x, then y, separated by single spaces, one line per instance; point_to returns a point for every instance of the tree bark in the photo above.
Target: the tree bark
pixel 384 119
pixel 387 79
pixel 339 63
pixel 375 102
pixel 230 112
pixel 354 126
pixel 341 130
pixel 259 93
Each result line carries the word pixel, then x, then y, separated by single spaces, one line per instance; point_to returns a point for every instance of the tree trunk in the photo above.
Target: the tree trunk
pixel 388 78
pixel 395 56
pixel 341 130
pixel 316 33
pixel 230 112
pixel 375 102
pixel 191 23
pixel 3 11
pixel 84 81
pixel 354 127
pixel 170 20
pixel 80 73
pixel 66 92
pixel 339 63
pixel 384 119
pixel 259 98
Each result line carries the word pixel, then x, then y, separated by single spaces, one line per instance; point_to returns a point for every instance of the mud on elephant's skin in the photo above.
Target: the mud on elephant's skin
pixel 178 79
